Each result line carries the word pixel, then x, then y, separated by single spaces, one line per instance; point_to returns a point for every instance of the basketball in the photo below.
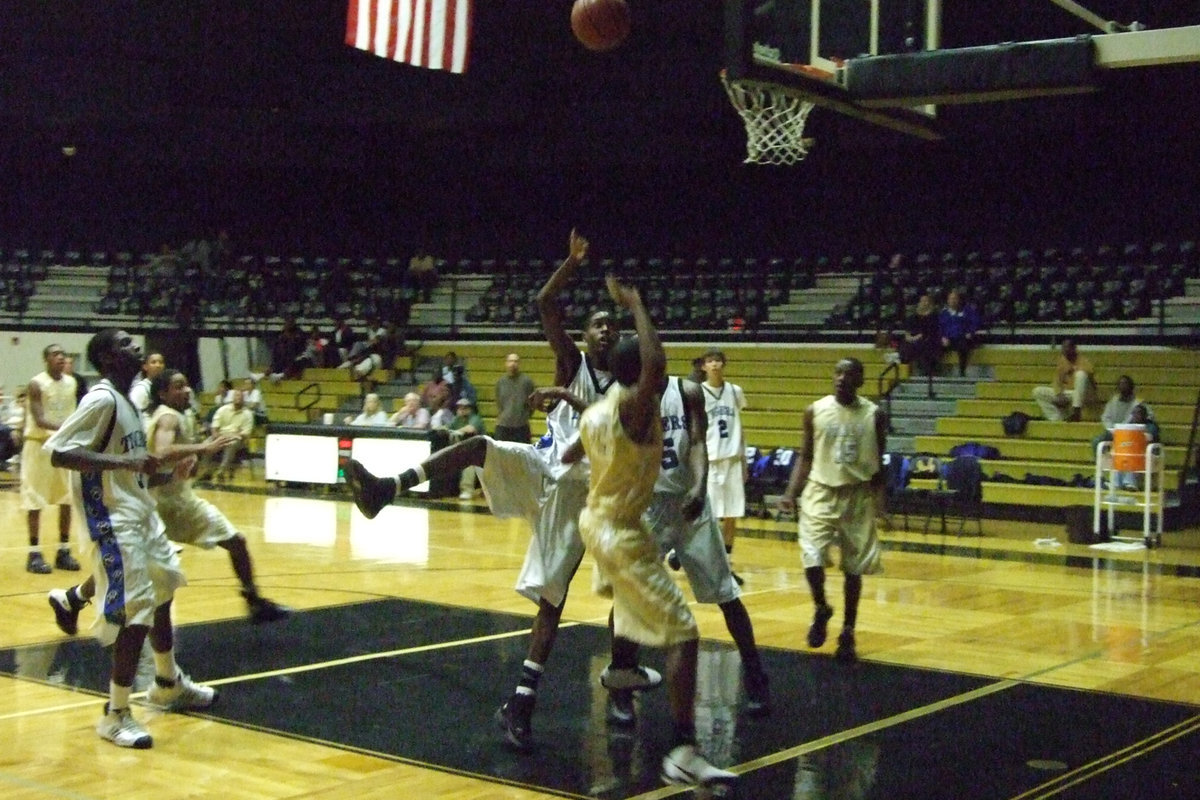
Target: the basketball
pixel 600 25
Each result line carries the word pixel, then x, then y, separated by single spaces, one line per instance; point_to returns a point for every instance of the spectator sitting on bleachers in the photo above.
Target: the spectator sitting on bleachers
pixel 253 399
pixel 289 345
pixel 366 356
pixel 1138 415
pixel 441 415
pixel 232 419
pixel 958 324
pixel 436 394
pixel 342 340
pixel 372 413
pixel 921 345
pixel 1118 409
pixel 454 372
pixel 1074 386
pixel 411 414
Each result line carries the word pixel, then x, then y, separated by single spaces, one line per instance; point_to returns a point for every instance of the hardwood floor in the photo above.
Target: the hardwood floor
pixel 1001 608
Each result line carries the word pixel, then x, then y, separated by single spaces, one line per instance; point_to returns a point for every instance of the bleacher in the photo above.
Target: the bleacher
pixel 1049 453
pixel 1126 291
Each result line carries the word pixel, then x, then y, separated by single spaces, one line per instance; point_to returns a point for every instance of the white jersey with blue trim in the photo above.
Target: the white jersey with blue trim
pixel 107 422
pixel 675 477
pixel 724 408
pixel 562 422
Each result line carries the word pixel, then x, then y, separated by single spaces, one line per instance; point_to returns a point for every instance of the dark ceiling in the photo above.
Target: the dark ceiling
pixel 256 116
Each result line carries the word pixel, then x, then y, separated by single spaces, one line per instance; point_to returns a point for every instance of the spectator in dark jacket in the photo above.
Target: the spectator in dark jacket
pixel 959 327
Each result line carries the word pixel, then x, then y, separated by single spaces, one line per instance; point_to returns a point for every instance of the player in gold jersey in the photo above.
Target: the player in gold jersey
pixel 840 472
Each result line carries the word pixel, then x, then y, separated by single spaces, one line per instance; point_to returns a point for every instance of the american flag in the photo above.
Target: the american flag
pixel 424 33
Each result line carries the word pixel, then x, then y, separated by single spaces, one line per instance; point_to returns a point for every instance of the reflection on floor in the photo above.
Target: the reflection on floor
pixel 418 682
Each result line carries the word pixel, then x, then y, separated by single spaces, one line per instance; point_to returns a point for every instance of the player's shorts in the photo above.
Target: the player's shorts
pixel 698 544
pixel 136 570
pixel 841 515
pixel 727 488
pixel 648 607
pixel 42 483
pixel 518 483
pixel 192 520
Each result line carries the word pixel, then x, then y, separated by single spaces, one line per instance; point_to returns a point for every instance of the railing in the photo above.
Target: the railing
pixel 885 395
pixel 305 393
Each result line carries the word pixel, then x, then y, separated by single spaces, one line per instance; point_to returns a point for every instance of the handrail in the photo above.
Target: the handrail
pixel 886 396
pixel 301 392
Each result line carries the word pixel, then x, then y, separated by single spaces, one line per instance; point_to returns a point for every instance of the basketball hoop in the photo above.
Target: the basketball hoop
pixel 774 117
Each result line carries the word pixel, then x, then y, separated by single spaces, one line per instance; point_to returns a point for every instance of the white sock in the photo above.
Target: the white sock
pixel 165 666
pixel 118 696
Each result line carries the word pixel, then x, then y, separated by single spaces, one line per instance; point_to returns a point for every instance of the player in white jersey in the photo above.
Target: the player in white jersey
pixel 187 518
pixel 140 393
pixel 136 568
pixel 532 482
pixel 49 400
pixel 623 437
pixel 840 471
pixel 727 469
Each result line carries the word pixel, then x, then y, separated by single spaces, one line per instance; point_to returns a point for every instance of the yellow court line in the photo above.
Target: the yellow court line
pixel 846 735
pixel 425 648
pixel 1114 759
pixel 33 712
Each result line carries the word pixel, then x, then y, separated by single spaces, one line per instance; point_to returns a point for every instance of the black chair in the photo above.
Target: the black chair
pixel 959 493
pixel 902 498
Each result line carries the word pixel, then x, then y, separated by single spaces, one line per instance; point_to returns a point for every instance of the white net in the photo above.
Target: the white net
pixel 774 117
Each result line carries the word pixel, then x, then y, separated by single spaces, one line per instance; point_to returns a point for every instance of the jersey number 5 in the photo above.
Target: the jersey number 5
pixel 670 459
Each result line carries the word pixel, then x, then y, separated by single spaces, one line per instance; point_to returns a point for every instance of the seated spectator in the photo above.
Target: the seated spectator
pixel 378 351
pixel 440 415
pixel 372 413
pixel 232 419
pixel 455 374
pixel 436 394
pixel 390 345
pixel 288 346
pixel 921 345
pixel 411 414
pixel 1117 409
pixel 1138 415
pixel 1074 386
pixel 958 324
pixel 253 399
pixel 342 340
pixel 315 354
pixel 466 423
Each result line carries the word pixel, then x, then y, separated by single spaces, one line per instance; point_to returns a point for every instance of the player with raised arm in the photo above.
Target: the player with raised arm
pixel 533 482
pixel 622 437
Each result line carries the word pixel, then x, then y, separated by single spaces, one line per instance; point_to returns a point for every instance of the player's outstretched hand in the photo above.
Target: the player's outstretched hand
pixel 577 246
pixel 623 295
